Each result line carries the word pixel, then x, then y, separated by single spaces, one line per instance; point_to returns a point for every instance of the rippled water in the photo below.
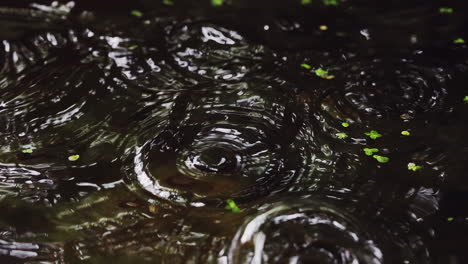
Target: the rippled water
pixel 338 131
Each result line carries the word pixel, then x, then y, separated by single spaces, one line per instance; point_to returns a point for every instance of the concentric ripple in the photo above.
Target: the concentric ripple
pixel 303 232
pixel 213 52
pixel 387 89
pixel 217 147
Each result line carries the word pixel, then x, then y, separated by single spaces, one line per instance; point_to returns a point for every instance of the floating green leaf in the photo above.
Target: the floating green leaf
pixel 168 2
pixel 450 219
pixel 321 72
pixel 29 151
pixel 231 205
pixel 370 151
pixel 132 47
pixel 412 166
pixel 465 99
pixel 136 13
pixel 405 133
pixel 345 124
pixel 459 41
pixel 381 159
pixel 446 10
pixel 341 135
pixel 373 134
pixel 306 66
pixel 74 157
pixel 217 2
pixel 306 2
pixel 330 2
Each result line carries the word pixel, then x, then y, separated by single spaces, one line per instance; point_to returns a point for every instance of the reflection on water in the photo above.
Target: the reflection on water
pixel 125 133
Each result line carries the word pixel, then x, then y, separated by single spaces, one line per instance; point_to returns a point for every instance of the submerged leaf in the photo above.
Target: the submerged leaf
pixel 217 2
pixel 446 10
pixel 306 66
pixel 330 2
pixel 136 13
pixel 459 41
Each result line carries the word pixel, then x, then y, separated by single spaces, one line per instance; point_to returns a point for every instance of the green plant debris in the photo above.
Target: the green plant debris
pixel 74 157
pixel 217 2
pixel 446 10
pixel 459 41
pixel 370 151
pixel 373 134
pixel 413 167
pixel 136 13
pixel 133 47
pixel 323 74
pixel 345 124
pixel 381 159
pixel 306 66
pixel 465 99
pixel 231 205
pixel 330 2
pixel 306 2
pixel 168 2
pixel 29 150
pixel 405 133
pixel 341 135
pixel 450 219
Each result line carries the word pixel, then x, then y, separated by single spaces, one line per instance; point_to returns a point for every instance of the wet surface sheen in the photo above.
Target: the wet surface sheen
pixel 124 134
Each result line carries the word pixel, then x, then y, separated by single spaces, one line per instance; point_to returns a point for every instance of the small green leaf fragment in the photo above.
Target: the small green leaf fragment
pixel 413 167
pixel 74 157
pixel 321 72
pixel 345 124
pixel 459 41
pixel 465 99
pixel 306 2
pixel 306 66
pixel 217 2
pixel 370 151
pixel 330 2
pixel 446 10
pixel 231 205
pixel 133 47
pixel 373 134
pixel 405 133
pixel 136 13
pixel 168 2
pixel 341 135
pixel 29 151
pixel 450 219
pixel 381 159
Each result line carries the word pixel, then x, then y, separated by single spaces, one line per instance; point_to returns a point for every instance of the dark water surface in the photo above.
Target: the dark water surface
pixel 124 134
